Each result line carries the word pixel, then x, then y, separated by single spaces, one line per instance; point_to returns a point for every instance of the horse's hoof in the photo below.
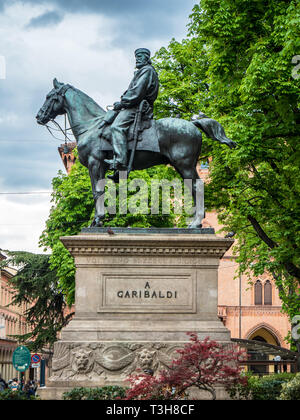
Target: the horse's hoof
pixel 194 225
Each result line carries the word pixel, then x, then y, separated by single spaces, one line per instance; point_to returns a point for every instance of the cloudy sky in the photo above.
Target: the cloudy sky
pixel 88 44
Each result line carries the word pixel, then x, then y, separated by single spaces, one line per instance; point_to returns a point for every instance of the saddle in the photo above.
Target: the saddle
pixel 109 119
pixel 148 139
pixel 146 132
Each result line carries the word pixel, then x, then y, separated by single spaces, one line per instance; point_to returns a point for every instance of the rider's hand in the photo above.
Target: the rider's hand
pixel 118 106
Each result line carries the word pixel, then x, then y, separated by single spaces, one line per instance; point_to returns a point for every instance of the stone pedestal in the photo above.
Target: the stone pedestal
pixel 138 292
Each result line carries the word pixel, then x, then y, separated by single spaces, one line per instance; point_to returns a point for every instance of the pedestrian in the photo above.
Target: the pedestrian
pixel 14 384
pixel 29 389
pixel 277 359
pixel 26 389
pixel 3 384
pixel 33 387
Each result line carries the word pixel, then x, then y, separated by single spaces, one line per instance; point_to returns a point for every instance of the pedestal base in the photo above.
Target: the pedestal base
pixel 137 295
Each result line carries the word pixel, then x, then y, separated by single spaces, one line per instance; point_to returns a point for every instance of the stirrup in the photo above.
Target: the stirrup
pixel 115 165
pixel 112 163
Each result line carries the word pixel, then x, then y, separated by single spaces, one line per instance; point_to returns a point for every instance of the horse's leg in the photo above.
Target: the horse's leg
pixel 97 175
pixel 196 186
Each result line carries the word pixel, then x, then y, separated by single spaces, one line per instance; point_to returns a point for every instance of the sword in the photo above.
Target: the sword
pixel 137 122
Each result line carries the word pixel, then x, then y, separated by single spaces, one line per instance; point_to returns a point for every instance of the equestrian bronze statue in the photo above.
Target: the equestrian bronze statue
pixel 127 137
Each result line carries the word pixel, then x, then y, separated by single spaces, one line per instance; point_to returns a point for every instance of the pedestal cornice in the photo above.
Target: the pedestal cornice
pixel 147 245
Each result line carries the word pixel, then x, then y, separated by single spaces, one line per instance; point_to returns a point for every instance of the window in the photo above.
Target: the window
pixel 268 293
pixel 258 293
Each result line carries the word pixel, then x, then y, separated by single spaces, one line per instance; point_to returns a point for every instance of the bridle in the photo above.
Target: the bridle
pixel 60 92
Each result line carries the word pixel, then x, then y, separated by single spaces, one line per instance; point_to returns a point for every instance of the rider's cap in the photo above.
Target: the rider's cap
pixel 143 50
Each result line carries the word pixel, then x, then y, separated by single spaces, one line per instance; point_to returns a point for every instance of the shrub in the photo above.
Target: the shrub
pixel 242 390
pixel 104 393
pixel 291 390
pixel 260 388
pixel 10 395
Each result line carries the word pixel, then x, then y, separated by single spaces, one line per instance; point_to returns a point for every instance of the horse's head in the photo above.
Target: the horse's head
pixel 54 103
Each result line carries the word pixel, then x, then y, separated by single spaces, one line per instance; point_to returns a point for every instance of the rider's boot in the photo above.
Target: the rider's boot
pixel 116 166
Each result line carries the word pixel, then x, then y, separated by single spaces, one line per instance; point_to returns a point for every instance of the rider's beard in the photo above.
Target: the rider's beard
pixel 140 64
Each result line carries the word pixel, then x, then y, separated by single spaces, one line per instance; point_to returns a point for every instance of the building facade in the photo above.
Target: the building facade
pixel 12 322
pixel 251 310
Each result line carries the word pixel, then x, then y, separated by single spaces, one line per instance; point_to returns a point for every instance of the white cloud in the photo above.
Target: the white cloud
pixel 82 57
pixel 22 222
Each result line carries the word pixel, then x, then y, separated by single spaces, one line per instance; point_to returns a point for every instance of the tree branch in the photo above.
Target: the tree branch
pixel 261 233
pixel 293 270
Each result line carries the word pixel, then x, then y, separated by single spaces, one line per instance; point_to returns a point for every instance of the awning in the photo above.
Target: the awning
pixel 266 348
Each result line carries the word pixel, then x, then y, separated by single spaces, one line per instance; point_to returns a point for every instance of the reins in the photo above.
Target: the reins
pixel 58 129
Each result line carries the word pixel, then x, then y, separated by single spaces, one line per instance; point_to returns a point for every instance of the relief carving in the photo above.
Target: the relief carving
pixel 82 361
pixel 77 363
pixel 115 358
pixel 87 362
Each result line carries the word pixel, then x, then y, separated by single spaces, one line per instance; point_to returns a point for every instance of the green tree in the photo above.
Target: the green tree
pixel 182 71
pixel 36 286
pixel 242 52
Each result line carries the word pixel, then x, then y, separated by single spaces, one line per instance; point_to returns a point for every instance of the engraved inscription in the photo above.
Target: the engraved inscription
pixel 148 293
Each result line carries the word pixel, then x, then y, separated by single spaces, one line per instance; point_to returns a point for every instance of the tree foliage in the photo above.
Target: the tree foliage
pixel 236 66
pixel 291 390
pixel 261 387
pixel 200 364
pixel 36 286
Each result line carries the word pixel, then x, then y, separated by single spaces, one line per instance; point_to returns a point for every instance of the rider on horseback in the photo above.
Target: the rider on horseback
pixel 171 141
pixel 143 87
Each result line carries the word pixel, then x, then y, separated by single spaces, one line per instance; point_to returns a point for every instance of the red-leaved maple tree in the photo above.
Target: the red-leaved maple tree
pixel 200 364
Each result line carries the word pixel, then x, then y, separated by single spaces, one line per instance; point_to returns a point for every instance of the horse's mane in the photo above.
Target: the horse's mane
pixel 93 107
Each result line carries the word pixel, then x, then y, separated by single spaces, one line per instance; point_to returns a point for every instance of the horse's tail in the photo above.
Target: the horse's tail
pixel 213 130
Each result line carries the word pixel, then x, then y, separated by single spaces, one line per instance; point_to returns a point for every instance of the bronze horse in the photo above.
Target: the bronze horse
pixel 179 142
